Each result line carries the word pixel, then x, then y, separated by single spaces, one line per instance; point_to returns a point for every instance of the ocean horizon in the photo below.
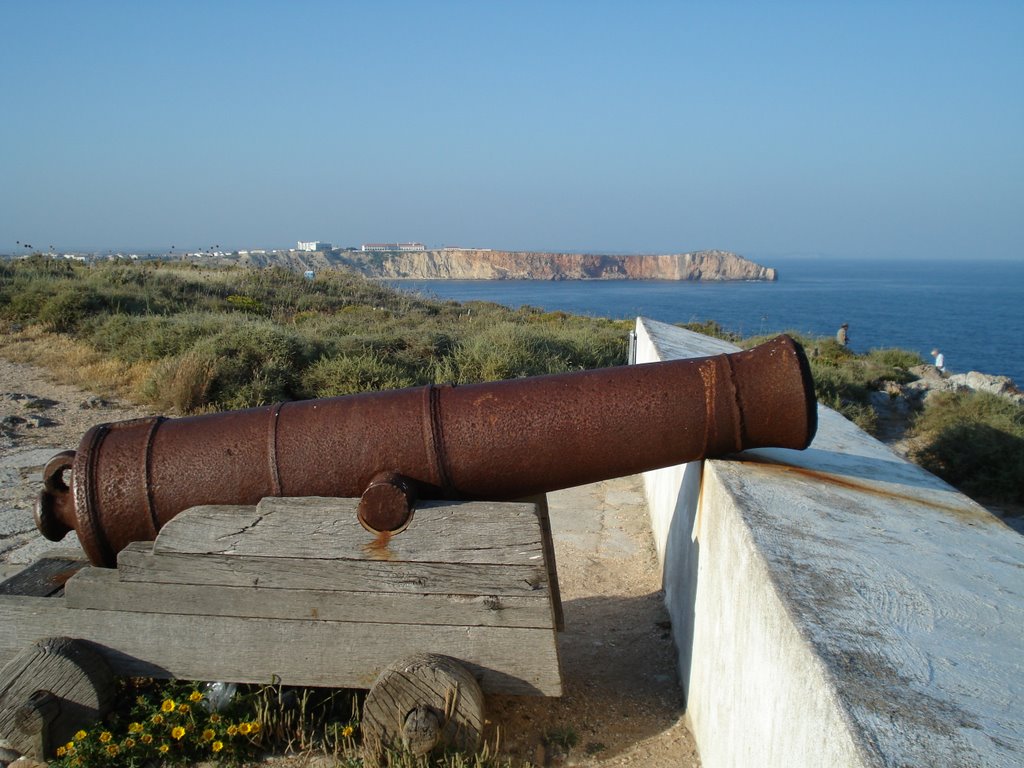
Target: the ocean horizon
pixel 968 310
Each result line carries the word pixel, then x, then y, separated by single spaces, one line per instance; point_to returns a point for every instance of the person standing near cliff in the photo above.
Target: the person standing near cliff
pixel 843 335
pixel 940 361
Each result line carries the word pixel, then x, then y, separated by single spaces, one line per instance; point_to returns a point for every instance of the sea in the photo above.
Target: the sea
pixel 970 310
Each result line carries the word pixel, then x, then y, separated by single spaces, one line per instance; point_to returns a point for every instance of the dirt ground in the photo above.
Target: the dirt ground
pixel 622 705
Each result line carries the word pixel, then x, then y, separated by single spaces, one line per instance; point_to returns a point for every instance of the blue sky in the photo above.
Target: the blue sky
pixel 875 129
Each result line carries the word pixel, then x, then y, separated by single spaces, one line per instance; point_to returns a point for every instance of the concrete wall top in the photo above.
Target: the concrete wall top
pixel 909 595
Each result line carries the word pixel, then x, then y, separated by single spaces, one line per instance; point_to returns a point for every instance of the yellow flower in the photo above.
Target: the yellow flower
pixel 177 732
pixel 347 731
pixel 208 734
pixel 112 749
pixel 244 728
pixel 214 718
pixel 217 746
pixel 232 730
pixel 70 747
pixel 105 737
pixel 184 709
pixel 135 728
pixel 168 705
pixel 195 696
pixel 140 700
pixel 146 738
pixel 163 749
pixel 79 735
pixel 255 726
pixel 157 719
pixel 61 751
pixel 128 743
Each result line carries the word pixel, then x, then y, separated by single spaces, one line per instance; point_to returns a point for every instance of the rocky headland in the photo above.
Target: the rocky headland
pixel 485 264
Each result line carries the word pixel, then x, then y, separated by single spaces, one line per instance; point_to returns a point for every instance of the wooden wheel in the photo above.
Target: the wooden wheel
pixel 49 691
pixel 422 702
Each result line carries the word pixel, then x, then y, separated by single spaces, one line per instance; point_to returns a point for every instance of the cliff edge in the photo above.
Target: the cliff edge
pixel 479 264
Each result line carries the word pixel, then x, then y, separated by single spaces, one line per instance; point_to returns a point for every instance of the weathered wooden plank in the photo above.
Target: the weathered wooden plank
pixel 548 545
pixel 44 577
pixel 328 529
pixel 344 575
pixel 101 589
pixel 314 653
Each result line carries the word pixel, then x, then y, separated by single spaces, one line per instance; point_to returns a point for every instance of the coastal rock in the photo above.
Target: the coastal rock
pixel 983 382
pixel 477 264
pixel 930 381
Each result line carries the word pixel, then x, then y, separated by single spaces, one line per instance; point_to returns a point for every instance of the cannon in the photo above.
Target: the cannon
pixel 494 441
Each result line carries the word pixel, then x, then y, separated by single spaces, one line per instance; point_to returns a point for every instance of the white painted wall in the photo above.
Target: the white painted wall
pixel 837 606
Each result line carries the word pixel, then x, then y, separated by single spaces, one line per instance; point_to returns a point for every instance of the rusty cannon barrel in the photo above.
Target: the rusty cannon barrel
pixel 494 441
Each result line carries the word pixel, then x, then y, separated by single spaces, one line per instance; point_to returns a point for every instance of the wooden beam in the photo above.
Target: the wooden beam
pixel 101 589
pixel 259 650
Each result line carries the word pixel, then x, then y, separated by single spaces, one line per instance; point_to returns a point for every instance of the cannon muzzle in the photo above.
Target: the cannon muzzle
pixel 495 441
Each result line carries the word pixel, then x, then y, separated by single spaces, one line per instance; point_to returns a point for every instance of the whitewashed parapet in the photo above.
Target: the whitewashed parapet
pixel 837 606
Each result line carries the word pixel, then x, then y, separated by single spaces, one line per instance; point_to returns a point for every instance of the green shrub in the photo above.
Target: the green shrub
pixel 975 441
pixel 21 303
pixel 895 360
pixel 510 350
pixel 843 389
pixel 244 365
pixel 132 338
pixel 245 304
pixel 66 310
pixel 181 384
pixel 346 375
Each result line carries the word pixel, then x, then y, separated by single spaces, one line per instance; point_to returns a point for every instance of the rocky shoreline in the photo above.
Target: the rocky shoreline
pixel 895 403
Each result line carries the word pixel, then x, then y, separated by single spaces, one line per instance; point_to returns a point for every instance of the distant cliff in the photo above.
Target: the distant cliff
pixel 473 264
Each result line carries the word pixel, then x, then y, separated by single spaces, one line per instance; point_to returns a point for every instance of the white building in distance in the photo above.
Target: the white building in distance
pixel 314 245
pixel 394 247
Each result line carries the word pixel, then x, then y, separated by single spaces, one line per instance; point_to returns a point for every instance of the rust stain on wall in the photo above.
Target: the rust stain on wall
pixel 966 510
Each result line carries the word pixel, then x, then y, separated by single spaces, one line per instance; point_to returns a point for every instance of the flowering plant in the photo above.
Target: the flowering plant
pixel 166 724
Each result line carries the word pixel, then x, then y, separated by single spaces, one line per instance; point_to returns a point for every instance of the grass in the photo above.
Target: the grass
pixel 190 339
